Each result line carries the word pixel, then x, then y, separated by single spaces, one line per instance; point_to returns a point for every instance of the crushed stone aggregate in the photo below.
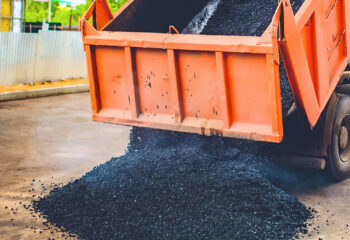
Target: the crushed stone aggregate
pixel 172 185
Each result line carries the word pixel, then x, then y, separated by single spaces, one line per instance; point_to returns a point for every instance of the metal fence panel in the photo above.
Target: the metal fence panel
pixel 47 55
pixel 17 57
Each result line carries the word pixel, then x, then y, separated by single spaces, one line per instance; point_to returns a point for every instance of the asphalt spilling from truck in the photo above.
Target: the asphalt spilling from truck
pixel 172 185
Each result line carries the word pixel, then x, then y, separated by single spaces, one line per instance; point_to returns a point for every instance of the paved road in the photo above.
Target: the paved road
pixel 53 140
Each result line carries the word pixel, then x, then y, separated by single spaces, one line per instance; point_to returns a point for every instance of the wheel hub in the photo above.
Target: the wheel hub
pixel 343 137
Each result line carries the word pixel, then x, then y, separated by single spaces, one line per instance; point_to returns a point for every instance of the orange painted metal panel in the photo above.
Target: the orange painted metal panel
pixel 217 85
pixel 314 49
pixel 153 83
pixel 199 84
pixel 115 91
pixel 180 90
pixel 249 83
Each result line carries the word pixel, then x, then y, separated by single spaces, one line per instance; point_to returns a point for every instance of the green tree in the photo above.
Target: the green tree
pixel 38 11
pixel 115 5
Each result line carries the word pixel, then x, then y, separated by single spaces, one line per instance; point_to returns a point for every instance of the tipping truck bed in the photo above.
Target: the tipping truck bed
pixel 206 84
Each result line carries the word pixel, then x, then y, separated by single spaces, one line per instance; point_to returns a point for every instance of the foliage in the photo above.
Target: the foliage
pixel 38 11
pixel 115 5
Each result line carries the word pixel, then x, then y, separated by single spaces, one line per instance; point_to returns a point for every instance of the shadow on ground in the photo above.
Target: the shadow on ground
pixel 298 180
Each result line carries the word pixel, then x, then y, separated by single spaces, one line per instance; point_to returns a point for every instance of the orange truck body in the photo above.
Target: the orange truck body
pixel 217 85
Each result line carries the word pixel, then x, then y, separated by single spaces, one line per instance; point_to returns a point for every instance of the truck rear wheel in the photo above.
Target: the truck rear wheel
pixel 344 89
pixel 339 150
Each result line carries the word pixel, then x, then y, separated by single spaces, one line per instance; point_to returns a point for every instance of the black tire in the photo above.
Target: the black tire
pixel 339 150
pixel 343 89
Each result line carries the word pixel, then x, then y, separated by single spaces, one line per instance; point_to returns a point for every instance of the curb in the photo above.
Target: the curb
pixel 45 92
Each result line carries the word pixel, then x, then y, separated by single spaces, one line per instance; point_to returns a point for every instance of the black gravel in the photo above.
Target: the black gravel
pixel 156 15
pixel 173 185
pixel 287 98
pixel 244 17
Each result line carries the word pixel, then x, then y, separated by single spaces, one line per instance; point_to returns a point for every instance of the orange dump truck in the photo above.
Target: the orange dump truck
pixel 314 45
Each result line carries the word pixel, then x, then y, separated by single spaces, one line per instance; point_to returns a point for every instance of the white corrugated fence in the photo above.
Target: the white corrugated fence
pixel 43 56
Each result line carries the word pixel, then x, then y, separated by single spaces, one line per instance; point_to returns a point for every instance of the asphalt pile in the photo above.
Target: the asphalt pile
pixel 244 17
pixel 171 185
pixel 198 23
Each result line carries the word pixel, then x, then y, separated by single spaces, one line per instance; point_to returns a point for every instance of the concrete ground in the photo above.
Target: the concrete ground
pixel 47 141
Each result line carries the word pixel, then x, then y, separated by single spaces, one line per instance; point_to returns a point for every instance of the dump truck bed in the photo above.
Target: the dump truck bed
pixel 215 85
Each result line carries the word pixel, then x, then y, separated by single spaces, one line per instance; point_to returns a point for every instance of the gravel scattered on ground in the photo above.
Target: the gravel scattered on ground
pixel 173 185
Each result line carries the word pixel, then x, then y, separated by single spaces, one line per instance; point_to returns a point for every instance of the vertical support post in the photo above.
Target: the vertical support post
pixel 274 88
pixel 103 14
pixel 49 17
pixel 176 86
pixel 11 15
pixel 224 95
pixel 321 60
pixel 134 100
pixel 23 15
pixel 0 14
pixel 70 22
pixel 93 80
